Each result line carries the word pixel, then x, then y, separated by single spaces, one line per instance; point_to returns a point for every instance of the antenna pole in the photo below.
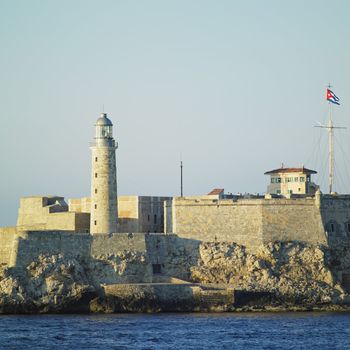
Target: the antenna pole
pixel 181 167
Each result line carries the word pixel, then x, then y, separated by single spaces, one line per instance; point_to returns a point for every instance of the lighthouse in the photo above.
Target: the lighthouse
pixel 104 209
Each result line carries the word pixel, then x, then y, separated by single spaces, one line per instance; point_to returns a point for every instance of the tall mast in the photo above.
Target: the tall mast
pixel 330 127
pixel 330 150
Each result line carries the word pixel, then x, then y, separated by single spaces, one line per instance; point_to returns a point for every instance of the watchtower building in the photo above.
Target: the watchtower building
pixel 287 181
pixel 104 211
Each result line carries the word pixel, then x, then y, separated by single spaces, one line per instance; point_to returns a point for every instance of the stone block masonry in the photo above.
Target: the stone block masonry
pixel 249 222
pixel 21 248
pixel 7 241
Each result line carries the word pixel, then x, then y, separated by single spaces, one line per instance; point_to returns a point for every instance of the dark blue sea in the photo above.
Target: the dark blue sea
pixel 177 331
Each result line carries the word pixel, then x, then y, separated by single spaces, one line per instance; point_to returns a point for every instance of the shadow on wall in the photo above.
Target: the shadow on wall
pixel 107 259
pixel 114 258
pixel 128 225
pixel 171 255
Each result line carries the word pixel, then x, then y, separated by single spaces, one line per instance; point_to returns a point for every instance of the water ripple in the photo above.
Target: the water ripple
pixel 177 331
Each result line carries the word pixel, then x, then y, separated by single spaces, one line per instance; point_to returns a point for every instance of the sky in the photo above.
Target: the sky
pixel 233 88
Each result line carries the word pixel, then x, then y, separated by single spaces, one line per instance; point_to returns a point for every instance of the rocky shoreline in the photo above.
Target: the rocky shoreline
pixel 226 277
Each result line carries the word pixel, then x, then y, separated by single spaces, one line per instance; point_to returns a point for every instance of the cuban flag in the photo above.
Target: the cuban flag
pixel 331 97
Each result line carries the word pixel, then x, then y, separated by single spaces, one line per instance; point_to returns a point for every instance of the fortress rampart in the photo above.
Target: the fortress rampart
pixel 188 221
pixel 251 222
pixel 22 247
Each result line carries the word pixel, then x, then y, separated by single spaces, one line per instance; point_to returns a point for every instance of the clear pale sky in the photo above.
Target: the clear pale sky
pixel 234 86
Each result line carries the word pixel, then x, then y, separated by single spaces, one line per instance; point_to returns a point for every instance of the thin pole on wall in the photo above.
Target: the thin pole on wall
pixel 181 172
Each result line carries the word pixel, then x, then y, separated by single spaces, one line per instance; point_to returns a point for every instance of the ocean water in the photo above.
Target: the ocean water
pixel 177 331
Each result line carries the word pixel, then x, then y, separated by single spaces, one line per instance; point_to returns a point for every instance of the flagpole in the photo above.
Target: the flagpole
pixel 330 128
pixel 331 149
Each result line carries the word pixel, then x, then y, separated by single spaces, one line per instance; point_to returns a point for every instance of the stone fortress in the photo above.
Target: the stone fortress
pixel 105 225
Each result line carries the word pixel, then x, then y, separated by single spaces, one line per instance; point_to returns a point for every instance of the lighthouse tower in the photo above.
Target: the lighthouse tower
pixel 103 179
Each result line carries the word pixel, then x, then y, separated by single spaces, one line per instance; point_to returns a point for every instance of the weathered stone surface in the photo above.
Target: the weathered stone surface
pixel 223 277
pixel 297 273
pixel 49 284
pixel 55 283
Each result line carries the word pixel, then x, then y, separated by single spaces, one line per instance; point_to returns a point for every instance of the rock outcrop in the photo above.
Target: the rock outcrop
pixel 297 275
pixel 64 284
pixel 49 284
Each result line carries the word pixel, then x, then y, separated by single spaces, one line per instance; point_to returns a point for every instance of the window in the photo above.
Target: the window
pixel 273 180
pixel 302 179
pixel 95 206
pixel 278 180
pixel 347 227
pixel 155 218
pixel 148 217
pixel 95 159
pixel 299 189
pixel 290 191
pixel 95 174
pixel 278 191
pixel 331 226
pixel 296 179
pixel 95 190
pixel 95 222
pixel 157 268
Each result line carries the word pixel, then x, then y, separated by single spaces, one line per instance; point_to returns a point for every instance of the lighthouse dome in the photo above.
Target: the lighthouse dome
pixel 103 120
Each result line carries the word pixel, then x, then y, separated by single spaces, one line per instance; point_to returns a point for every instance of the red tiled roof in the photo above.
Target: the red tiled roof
pixel 216 191
pixel 291 170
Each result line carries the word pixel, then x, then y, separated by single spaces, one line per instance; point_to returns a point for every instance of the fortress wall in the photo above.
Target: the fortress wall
pixel 250 222
pixel 80 205
pixel 7 237
pixel 336 210
pixel 173 253
pixel 110 244
pixel 221 220
pixel 151 213
pixel 60 221
pixel 68 221
pixel 82 222
pixel 32 212
pixel 169 224
pixel 128 214
pixel 30 244
pixel 292 219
